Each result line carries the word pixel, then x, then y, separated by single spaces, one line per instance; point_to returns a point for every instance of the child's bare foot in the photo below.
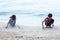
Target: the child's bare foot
pixel 52 25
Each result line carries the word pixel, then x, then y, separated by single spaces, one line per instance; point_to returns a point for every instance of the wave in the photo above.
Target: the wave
pixel 29 13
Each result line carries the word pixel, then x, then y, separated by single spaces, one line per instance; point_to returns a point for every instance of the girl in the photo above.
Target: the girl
pixel 12 21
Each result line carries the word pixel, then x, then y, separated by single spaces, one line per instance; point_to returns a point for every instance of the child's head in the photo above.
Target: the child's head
pixel 50 15
pixel 13 17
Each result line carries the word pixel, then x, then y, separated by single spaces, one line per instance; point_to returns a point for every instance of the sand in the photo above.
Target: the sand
pixel 29 33
pixel 16 36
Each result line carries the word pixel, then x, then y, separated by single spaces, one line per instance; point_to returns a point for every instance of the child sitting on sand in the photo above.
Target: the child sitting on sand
pixel 48 21
pixel 12 21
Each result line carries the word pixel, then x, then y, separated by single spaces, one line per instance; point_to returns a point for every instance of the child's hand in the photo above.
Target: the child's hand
pixel 43 27
pixel 6 27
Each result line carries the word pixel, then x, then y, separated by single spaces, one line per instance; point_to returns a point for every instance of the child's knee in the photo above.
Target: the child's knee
pixel 52 21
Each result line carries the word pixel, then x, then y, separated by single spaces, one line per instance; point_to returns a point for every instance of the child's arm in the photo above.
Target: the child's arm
pixel 42 24
pixel 7 24
pixel 15 21
pixel 52 22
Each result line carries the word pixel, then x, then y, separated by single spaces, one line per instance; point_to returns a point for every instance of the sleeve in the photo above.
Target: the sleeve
pixel 46 19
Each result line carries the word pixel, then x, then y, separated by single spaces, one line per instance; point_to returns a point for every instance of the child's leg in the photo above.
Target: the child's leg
pixel 47 24
pixel 52 21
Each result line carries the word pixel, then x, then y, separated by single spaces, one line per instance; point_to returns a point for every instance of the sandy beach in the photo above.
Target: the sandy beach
pixel 29 17
pixel 16 36
pixel 48 34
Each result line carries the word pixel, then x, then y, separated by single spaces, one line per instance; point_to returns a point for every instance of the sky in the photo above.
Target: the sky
pixel 34 5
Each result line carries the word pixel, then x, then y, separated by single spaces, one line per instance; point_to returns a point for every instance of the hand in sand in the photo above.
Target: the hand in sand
pixel 6 26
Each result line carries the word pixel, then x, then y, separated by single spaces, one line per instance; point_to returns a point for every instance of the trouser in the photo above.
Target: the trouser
pixel 49 23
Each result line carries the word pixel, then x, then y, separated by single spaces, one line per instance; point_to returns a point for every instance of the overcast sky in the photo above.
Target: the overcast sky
pixel 34 5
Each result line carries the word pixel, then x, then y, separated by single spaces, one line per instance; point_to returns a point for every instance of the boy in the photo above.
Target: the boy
pixel 48 21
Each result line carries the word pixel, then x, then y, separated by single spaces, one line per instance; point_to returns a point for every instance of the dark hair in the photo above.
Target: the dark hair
pixel 13 17
pixel 50 15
